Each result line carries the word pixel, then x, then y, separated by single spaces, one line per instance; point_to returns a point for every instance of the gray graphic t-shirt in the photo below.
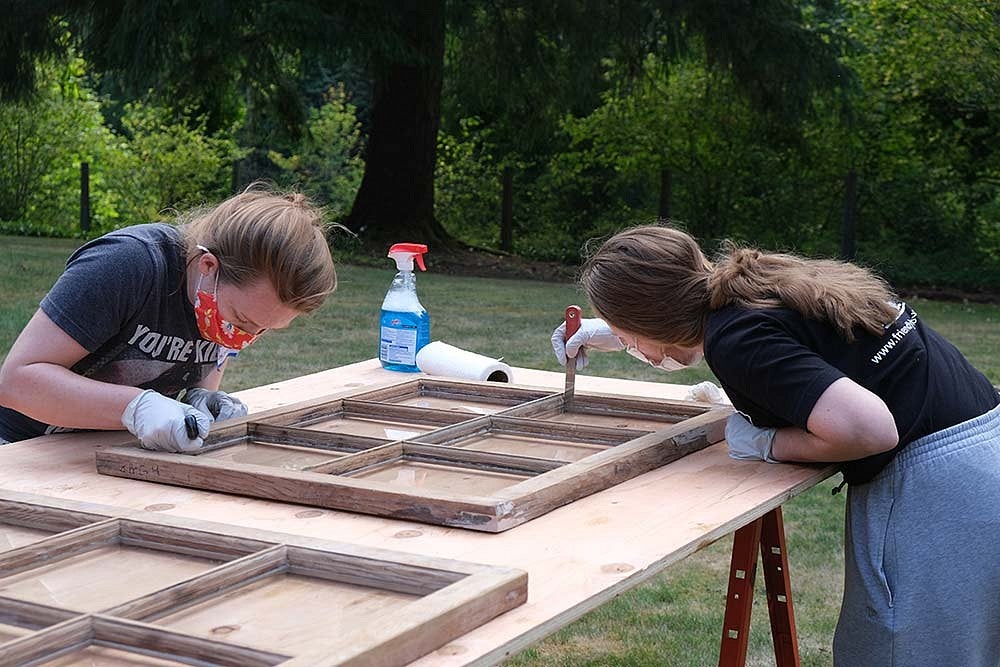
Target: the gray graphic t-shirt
pixel 123 297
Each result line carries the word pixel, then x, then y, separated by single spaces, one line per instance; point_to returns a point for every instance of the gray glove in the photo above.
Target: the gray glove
pixel 594 334
pixel 748 442
pixel 218 405
pixel 159 423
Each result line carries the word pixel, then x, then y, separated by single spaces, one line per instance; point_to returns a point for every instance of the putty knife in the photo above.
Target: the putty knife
pixel 572 326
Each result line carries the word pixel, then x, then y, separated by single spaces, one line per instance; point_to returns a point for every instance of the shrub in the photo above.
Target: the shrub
pixel 327 163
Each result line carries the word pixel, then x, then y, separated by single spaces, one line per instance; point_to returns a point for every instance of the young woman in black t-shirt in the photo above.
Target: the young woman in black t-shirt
pixel 823 364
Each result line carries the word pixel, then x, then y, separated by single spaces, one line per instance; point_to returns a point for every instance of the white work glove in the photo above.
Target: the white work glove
pixel 158 423
pixel 594 334
pixel 707 392
pixel 218 405
pixel 748 442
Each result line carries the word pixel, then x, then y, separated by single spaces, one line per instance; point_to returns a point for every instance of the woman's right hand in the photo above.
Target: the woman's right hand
pixel 594 334
pixel 160 423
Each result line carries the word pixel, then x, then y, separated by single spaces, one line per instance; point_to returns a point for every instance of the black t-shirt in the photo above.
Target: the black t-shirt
pixel 775 363
pixel 123 297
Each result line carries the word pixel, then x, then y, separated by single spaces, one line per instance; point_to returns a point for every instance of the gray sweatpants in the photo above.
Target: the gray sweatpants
pixel 922 543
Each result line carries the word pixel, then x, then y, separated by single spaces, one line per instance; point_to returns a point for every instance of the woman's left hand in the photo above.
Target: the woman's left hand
pixel 748 442
pixel 216 404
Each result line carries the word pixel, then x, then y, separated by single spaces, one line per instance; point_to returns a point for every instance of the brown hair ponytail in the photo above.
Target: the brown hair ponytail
pixel 655 281
pixel 842 294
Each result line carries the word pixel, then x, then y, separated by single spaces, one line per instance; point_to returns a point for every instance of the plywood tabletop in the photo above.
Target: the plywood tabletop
pixel 577 556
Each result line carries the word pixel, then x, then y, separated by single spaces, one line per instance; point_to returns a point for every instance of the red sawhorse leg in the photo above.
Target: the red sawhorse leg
pixel 768 534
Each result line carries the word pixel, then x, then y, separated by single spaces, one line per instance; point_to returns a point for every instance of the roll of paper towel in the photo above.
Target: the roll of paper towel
pixel 439 358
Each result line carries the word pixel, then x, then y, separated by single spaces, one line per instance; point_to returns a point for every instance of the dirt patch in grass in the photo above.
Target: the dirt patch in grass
pixel 485 263
pixel 950 294
pixel 470 261
pixel 462 260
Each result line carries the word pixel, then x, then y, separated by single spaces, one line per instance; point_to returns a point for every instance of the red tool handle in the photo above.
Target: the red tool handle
pixel 572 320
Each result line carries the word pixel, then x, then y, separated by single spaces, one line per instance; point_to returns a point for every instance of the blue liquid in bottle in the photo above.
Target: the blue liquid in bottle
pixel 404 325
pixel 402 336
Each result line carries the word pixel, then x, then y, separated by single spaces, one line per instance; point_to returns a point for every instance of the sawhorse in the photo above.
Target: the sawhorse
pixel 768 534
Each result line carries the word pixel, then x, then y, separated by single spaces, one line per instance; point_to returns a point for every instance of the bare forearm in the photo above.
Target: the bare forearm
pixel 793 444
pixel 55 395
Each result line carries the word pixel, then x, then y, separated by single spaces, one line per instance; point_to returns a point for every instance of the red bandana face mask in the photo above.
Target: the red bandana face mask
pixel 210 323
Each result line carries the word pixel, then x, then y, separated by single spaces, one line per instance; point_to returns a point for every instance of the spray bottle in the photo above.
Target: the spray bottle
pixel 405 324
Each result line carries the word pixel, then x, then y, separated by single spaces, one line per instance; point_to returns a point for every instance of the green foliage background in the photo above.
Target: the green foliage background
pixel 155 159
pixel 918 125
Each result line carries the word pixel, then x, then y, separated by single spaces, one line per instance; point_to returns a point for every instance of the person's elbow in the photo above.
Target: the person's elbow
pixel 7 385
pixel 853 419
pixel 14 378
pixel 874 437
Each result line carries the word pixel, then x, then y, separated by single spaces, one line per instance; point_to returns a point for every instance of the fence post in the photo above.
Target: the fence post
pixel 84 197
pixel 507 210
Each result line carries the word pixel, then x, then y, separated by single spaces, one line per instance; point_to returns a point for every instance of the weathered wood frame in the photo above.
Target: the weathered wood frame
pixel 453 597
pixel 547 482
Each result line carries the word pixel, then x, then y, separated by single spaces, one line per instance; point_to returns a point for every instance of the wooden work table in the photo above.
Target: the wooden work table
pixel 577 557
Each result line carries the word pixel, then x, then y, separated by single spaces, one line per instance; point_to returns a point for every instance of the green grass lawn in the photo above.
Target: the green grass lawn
pixel 674 619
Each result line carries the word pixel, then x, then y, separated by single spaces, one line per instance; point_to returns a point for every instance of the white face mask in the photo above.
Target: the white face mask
pixel 666 363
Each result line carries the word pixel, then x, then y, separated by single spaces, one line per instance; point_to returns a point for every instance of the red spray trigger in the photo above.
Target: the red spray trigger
pixel 415 250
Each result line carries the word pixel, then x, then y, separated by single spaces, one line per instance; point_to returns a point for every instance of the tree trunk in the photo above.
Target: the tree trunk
pixel 848 229
pixel 666 193
pixel 507 210
pixel 395 202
